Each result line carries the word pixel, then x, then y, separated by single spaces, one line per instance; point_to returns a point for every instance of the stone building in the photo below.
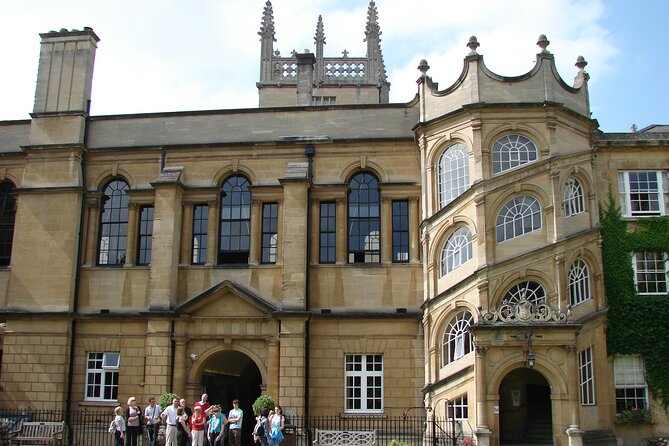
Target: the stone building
pixel 338 252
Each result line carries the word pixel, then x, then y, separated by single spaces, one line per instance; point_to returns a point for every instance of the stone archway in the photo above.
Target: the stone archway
pixel 228 375
pixel 525 411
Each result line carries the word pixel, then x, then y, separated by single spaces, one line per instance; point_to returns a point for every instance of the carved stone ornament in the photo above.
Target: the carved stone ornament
pixel 522 311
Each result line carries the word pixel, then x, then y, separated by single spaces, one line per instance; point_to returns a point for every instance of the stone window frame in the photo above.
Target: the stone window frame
pixel 636 190
pixel 580 289
pixel 586 377
pixel 518 208
pixel 629 378
pixel 359 370
pixel 457 332
pixel 8 204
pixel 574 197
pixel 96 365
pixel 511 151
pixel 453 171
pixel 115 222
pixel 644 273
pixel 452 249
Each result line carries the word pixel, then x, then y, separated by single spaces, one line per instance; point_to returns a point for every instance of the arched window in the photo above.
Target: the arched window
pixel 234 240
pixel 528 290
pixel 7 217
pixel 453 173
pixel 457 250
pixel 573 198
pixel 363 219
pixel 456 341
pixel 518 216
pixel 113 223
pixel 511 151
pixel 579 282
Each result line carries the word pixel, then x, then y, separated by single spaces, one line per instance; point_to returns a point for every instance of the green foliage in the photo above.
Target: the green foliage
pixel 261 402
pixel 166 399
pixel 636 417
pixel 636 324
pixel 394 442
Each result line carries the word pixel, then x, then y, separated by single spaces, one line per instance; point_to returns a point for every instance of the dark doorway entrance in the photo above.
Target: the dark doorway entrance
pixel 525 415
pixel 231 375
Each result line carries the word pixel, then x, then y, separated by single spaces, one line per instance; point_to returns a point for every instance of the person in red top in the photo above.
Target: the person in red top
pixel 204 404
pixel 197 422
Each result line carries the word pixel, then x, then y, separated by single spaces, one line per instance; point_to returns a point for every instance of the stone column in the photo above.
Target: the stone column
pixel 572 382
pixel 279 232
pixel 256 236
pixel 340 241
pixel 414 219
pixel 92 212
pixel 386 230
pixel 273 367
pixel 575 436
pixel 294 239
pixel 482 430
pixel 179 371
pixel 186 255
pixel 560 280
pixel 166 240
pixel 212 233
pixel 131 246
pixel 314 255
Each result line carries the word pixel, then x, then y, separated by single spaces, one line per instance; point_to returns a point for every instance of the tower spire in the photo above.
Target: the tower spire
pixel 376 68
pixel 319 40
pixel 267 39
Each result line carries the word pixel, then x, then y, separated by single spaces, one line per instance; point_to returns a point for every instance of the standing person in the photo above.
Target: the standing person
pixel 204 404
pixel 197 422
pixel 235 418
pixel 169 416
pixel 119 423
pixel 217 422
pixel 133 420
pixel 188 412
pixel 183 430
pixel 276 423
pixel 261 429
pixel 152 420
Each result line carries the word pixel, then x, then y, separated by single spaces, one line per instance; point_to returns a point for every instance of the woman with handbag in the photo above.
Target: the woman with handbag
pixel 133 416
pixel 276 423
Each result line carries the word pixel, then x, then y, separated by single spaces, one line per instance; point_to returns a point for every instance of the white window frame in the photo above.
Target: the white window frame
pixel 587 377
pixel 457 342
pixel 106 367
pixel 453 173
pixel 458 409
pixel 511 151
pixel 363 383
pixel 574 200
pixel 579 282
pixel 457 250
pixel 629 374
pixel 640 262
pixel 519 216
pixel 631 193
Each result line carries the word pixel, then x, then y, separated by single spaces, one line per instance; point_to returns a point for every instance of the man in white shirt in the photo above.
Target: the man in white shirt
pixel 152 418
pixel 169 416
pixel 235 419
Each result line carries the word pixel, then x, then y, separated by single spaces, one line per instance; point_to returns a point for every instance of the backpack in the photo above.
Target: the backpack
pixel 259 429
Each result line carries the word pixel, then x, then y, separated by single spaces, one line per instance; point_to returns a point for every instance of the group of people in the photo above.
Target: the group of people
pixel 202 426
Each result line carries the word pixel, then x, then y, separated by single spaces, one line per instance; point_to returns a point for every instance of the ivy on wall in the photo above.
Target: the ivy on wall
pixel 636 324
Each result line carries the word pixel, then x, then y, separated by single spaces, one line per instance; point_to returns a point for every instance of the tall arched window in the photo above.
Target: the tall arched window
pixel 453 173
pixel 457 250
pixel 511 151
pixel 529 290
pixel 579 282
pixel 518 216
pixel 573 198
pixel 113 223
pixel 364 223
pixel 7 217
pixel 234 240
pixel 456 341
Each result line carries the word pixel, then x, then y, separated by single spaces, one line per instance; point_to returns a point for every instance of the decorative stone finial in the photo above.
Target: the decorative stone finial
pixel 543 43
pixel 581 63
pixel 473 44
pixel 423 66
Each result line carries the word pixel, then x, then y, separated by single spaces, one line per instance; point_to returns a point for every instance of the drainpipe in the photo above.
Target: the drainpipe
pixel 309 151
pixel 77 277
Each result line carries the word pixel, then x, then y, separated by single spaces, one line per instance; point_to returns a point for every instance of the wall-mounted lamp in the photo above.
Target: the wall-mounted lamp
pixel 193 357
pixel 530 355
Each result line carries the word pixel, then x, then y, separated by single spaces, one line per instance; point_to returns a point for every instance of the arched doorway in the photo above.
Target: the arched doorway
pixel 230 375
pixel 525 415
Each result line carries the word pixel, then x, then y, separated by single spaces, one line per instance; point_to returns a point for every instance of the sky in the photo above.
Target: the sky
pixel 182 55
